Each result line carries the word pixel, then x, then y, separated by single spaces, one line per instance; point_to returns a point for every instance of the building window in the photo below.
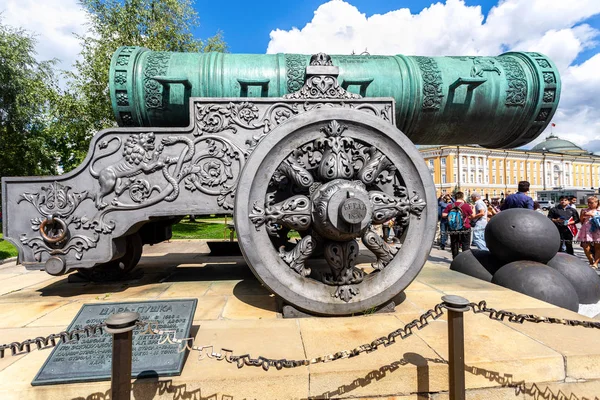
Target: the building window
pixel 443 178
pixel 521 165
pixel 431 163
pixel 464 178
pixel 454 177
pixel 493 179
pixel 515 179
pixel 464 160
pixel 443 161
pixel 454 161
pixel 472 178
pixel 494 164
pixel 479 178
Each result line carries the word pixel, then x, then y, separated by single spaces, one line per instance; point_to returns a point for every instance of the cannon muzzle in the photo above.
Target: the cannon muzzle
pixel 496 102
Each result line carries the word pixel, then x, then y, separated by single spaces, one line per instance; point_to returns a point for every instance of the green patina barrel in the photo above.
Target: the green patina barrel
pixel 497 102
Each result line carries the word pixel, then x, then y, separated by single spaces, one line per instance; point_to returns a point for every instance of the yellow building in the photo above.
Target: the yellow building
pixel 494 173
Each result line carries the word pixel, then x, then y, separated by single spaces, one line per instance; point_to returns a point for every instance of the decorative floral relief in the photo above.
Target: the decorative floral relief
pixel 295 67
pixel 336 161
pixel 516 93
pixel 432 83
pixel 156 65
pixel 57 201
pixel 213 118
pixel 322 87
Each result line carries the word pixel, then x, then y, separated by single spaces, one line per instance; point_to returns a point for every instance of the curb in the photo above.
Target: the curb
pixel 7 260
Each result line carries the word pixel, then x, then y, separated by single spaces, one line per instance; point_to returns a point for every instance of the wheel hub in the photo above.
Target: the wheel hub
pixel 341 209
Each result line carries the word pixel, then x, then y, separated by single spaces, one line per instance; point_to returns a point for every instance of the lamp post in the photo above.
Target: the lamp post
pixel 544 166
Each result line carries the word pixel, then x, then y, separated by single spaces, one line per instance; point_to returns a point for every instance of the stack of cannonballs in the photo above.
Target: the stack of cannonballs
pixel 524 257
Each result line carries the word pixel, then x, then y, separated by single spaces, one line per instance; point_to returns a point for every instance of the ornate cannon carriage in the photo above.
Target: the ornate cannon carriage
pixel 319 145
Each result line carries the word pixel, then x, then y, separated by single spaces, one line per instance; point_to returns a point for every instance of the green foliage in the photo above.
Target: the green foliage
pixel 200 230
pixel 156 24
pixel 7 250
pixel 28 92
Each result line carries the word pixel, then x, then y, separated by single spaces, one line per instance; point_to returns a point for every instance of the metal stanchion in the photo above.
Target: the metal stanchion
pixel 121 327
pixel 456 306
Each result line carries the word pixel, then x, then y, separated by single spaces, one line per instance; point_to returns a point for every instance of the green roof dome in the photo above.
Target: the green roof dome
pixel 556 145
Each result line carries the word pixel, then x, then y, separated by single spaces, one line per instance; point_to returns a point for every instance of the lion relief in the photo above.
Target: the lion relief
pixel 139 155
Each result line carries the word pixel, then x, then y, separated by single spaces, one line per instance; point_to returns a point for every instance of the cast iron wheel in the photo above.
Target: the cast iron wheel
pixel 332 175
pixel 116 270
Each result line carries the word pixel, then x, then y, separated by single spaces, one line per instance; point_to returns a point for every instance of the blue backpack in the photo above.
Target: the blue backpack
pixel 455 218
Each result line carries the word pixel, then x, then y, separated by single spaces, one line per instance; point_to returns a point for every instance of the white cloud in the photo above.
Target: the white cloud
pixel 53 22
pixel 553 27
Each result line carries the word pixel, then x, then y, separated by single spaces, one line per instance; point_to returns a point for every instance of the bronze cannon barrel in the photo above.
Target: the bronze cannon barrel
pixel 497 102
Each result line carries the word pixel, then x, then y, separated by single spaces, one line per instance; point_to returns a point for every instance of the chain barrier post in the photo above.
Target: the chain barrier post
pixel 121 327
pixel 456 306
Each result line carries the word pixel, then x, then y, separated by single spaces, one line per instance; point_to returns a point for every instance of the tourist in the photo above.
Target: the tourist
pixel 442 204
pixel 573 202
pixel 537 207
pixel 387 227
pixel 519 199
pixel 479 221
pixel 565 219
pixel 459 215
pixel 589 234
pixel 491 209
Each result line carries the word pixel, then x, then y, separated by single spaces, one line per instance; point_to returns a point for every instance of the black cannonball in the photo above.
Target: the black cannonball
pixel 521 234
pixel 538 280
pixel 583 278
pixel 476 263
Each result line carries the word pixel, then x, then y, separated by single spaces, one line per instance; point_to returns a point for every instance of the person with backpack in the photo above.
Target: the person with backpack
pixel 442 204
pixel 459 216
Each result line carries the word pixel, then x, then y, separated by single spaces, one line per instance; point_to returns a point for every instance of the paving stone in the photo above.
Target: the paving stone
pixel 581 349
pixel 442 278
pixel 272 338
pixel 22 281
pixel 15 315
pixel 10 335
pixel 406 367
pixel 250 307
pixel 494 350
pixel 182 290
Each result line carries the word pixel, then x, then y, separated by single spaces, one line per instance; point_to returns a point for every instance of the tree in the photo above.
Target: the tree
pixel 28 94
pixel 155 24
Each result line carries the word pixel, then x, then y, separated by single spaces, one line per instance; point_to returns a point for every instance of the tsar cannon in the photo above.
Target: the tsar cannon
pixel 323 146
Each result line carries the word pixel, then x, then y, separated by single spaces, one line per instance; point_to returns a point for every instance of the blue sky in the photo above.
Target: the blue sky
pixel 247 24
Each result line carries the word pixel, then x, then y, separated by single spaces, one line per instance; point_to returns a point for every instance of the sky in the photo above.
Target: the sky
pixel 568 31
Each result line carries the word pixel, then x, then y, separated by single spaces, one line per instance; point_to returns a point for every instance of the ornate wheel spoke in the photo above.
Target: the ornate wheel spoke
pixel 299 254
pixel 293 213
pixel 381 249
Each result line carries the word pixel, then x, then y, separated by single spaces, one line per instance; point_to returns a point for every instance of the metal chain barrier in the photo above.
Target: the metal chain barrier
pixel 151 328
pixel 501 315
pixel 52 340
pixel 266 363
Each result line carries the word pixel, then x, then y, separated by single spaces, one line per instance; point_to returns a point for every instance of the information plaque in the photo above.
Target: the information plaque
pixel 89 359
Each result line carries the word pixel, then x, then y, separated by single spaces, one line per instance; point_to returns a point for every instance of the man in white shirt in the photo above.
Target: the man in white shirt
pixel 479 221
